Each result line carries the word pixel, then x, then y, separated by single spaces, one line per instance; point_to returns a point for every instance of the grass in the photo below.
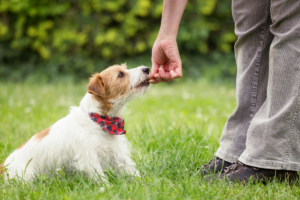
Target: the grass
pixel 173 129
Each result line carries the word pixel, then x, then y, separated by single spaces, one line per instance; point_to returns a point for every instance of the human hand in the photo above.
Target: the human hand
pixel 165 54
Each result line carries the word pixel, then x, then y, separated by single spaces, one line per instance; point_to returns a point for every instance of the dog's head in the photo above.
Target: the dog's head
pixel 116 85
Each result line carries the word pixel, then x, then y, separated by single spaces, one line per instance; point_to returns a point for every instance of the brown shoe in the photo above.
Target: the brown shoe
pixel 215 165
pixel 239 172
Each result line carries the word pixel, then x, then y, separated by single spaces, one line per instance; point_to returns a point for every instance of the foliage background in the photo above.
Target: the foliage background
pixel 78 37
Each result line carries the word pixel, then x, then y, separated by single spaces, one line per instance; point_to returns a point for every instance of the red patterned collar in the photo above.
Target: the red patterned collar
pixel 113 125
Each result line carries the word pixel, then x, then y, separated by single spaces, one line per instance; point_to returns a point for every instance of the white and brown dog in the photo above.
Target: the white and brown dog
pixel 88 139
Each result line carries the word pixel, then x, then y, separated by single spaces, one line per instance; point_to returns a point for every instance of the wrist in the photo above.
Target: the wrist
pixel 164 35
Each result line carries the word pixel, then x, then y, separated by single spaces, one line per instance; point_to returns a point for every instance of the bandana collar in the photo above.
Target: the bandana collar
pixel 113 125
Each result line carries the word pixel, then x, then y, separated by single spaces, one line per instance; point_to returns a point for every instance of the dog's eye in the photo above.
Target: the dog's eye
pixel 121 74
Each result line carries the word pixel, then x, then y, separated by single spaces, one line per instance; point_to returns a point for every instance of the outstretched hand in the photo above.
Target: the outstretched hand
pixel 165 54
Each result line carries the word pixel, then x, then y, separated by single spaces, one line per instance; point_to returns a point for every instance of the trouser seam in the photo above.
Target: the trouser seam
pixel 257 67
pixel 287 152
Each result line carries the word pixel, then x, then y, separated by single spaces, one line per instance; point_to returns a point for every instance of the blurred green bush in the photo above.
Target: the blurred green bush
pixel 81 36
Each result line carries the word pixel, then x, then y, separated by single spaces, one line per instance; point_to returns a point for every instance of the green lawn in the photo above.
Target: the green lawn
pixel 173 129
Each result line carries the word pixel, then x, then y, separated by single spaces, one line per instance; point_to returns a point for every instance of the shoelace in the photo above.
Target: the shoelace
pixel 211 161
pixel 235 167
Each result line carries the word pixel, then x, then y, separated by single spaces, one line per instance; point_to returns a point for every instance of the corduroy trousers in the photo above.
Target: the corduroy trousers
pixel 264 130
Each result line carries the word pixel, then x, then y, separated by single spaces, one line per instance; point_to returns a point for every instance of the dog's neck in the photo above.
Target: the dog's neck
pixel 91 105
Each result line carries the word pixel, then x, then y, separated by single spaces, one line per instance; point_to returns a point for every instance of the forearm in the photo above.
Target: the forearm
pixel 171 16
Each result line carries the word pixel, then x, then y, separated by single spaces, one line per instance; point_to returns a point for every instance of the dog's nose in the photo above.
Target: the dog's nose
pixel 146 70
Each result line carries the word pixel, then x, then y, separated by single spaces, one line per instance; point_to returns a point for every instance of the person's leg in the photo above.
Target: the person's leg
pixel 252 21
pixel 273 139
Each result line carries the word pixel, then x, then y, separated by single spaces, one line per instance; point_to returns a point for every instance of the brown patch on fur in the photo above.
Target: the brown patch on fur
pixel 108 85
pixel 42 134
pixel 2 168
pixel 23 144
pixel 96 85
pixel 115 86
pixel 105 104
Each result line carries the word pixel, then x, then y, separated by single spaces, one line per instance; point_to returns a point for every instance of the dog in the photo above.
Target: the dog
pixel 91 137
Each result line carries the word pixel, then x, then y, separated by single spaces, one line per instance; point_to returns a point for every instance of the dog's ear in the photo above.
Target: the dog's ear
pixel 124 65
pixel 96 85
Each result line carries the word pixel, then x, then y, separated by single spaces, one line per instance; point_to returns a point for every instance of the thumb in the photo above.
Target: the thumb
pixel 175 74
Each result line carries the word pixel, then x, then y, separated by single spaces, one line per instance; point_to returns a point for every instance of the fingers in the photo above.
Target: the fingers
pixel 165 76
pixel 158 78
pixel 158 74
pixel 162 76
pixel 154 69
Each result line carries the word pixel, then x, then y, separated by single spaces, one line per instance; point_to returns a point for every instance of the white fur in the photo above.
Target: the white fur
pixel 77 143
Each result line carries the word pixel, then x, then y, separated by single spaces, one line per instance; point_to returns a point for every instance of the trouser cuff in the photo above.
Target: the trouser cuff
pixel 269 164
pixel 226 156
